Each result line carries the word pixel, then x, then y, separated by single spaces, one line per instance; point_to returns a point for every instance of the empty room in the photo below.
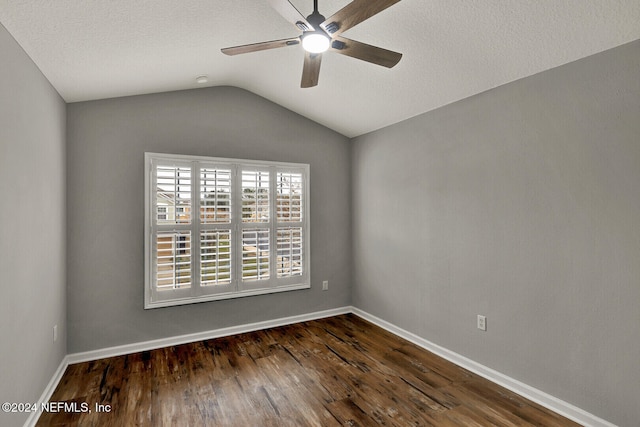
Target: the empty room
pixel 320 213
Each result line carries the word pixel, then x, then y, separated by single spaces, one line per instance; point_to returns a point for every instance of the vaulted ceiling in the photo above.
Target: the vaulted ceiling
pixel 452 49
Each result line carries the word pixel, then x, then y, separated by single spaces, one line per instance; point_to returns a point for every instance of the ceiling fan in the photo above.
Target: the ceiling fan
pixel 320 34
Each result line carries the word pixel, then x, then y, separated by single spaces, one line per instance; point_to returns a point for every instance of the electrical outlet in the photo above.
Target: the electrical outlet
pixel 482 322
pixel 325 285
pixel 55 333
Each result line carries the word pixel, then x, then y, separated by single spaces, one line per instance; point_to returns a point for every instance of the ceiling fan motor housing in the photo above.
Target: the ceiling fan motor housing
pixel 315 19
pixel 316 40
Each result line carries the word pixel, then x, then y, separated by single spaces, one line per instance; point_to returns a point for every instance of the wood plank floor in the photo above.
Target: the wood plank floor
pixel 336 371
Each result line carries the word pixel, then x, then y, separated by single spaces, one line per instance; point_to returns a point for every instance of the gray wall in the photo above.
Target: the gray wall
pixel 32 228
pixel 522 204
pixel 105 204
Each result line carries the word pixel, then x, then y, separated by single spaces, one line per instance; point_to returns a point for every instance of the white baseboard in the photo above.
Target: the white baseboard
pixel 199 336
pixel 559 406
pixel 550 402
pixel 48 391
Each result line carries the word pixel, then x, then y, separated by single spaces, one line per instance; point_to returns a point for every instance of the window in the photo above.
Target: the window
pixel 223 228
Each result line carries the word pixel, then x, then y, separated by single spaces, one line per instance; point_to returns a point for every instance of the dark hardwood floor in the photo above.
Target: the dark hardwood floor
pixel 336 371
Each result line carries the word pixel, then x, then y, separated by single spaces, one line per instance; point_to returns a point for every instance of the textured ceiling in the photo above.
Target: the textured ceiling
pixel 93 49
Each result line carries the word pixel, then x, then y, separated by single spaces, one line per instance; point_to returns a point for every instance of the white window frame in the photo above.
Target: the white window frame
pixel 154 298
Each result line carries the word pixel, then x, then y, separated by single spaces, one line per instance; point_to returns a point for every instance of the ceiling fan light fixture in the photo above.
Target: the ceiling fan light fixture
pixel 320 35
pixel 315 41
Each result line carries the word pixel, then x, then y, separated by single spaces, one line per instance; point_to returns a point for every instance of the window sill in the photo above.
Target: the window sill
pixel 225 296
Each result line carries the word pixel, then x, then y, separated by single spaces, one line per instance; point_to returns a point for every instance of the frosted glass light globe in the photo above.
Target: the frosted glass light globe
pixel 315 42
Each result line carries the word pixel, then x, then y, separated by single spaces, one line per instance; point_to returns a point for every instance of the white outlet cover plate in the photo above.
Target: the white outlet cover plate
pixel 482 322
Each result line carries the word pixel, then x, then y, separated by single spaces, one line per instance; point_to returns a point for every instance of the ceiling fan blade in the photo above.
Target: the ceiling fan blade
pixel 255 47
pixel 353 14
pixel 290 13
pixel 365 52
pixel 311 69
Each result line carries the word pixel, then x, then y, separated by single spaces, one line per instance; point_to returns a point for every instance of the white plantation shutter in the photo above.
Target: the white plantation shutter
pixel 289 251
pixel 215 195
pixel 173 195
pixel 256 214
pixel 215 257
pixel 173 260
pixel 290 224
pixel 255 254
pixel 255 196
pixel 216 220
pixel 223 228
pixel 170 188
pixel 289 196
